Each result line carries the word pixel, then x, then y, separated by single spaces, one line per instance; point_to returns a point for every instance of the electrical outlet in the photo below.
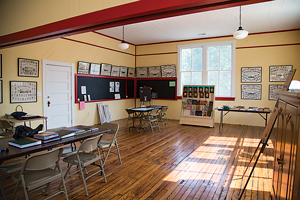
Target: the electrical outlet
pixel 89 112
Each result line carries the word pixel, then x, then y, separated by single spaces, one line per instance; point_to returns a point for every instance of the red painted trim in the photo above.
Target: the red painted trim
pixel 275 45
pixel 104 100
pixel 154 54
pixel 151 79
pixel 111 37
pixel 139 11
pixel 100 76
pixel 225 98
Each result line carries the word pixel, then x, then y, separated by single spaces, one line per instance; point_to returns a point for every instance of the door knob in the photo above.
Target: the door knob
pixel 48 103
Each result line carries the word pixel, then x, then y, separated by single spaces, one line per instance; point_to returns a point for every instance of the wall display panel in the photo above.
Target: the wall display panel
pixel 168 71
pixel 95 69
pixel 279 73
pixel 251 92
pixel 251 74
pixel 105 69
pixel 123 71
pixel 28 67
pixel 83 67
pixel 142 72
pixel 23 91
pixel 155 72
pixel 272 91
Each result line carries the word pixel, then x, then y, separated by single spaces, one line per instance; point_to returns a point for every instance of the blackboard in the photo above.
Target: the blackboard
pixel 163 88
pixel 99 87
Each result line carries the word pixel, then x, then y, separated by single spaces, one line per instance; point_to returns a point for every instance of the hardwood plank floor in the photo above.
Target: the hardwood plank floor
pixel 180 162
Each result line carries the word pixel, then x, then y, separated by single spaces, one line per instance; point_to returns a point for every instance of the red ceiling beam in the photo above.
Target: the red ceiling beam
pixel 143 10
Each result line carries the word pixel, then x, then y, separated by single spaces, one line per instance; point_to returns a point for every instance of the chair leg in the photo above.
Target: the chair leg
pixel 102 169
pixel 84 181
pixel 116 144
pixel 63 181
pixel 25 191
pixel 2 190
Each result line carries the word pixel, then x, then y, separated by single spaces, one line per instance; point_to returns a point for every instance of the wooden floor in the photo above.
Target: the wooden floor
pixel 180 162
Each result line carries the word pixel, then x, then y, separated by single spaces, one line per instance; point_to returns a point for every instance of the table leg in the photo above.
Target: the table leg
pixel 266 119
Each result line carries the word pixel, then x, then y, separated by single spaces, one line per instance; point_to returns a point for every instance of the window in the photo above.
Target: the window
pixel 208 64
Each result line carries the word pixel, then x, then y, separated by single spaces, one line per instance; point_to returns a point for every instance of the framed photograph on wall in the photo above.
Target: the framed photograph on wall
pixel 272 91
pixel 23 91
pixel 115 70
pixel 251 91
pixel 1 91
pixel 105 69
pixel 28 67
pixel 83 68
pixel 131 72
pixel 0 65
pixel 155 72
pixel 123 71
pixel 95 69
pixel 278 73
pixel 168 71
pixel 142 72
pixel 251 74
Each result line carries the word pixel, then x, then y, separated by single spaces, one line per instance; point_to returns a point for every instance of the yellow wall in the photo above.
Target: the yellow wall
pixel 263 55
pixel 63 50
pixel 18 15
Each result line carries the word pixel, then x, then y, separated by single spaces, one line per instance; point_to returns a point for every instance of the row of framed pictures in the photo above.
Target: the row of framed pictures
pixel 163 71
pixel 253 92
pixel 277 73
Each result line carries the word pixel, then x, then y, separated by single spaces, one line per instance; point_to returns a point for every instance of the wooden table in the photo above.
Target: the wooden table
pixel 15 152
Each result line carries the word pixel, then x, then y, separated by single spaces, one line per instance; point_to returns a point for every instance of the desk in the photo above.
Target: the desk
pixel 243 110
pixel 15 152
pixel 13 121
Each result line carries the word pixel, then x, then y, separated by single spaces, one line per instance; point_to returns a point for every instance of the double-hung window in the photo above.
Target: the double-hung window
pixel 208 64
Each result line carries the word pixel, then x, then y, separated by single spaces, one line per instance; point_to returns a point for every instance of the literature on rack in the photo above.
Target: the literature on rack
pixel 46 135
pixel 24 142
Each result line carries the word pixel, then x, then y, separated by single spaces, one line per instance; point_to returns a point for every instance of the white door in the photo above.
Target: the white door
pixel 58 93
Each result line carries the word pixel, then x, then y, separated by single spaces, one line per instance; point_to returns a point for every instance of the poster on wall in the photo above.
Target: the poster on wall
pixel 168 71
pixel 155 72
pixel 95 69
pixel 28 67
pixel 115 70
pixel 105 69
pixel 23 91
pixel 83 67
pixel 123 71
pixel 251 92
pixel 131 72
pixel 279 73
pixel 272 91
pixel 251 74
pixel 142 72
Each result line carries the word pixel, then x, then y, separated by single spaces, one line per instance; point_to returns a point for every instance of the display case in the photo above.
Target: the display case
pixel 197 105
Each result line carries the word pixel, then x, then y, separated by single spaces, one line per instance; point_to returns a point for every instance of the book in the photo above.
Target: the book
pixel 24 142
pixel 64 133
pixel 86 128
pixel 45 135
pixel 50 140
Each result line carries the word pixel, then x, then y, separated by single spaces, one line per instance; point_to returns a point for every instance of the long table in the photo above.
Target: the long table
pixel 15 152
pixel 260 112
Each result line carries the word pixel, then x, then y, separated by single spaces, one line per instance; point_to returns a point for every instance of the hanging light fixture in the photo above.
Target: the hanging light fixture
pixel 123 45
pixel 240 33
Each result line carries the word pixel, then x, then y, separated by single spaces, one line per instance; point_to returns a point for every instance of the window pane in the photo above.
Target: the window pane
pixel 185 78
pixel 196 78
pixel 213 58
pixel 213 79
pixel 225 57
pixel 197 59
pixel 225 83
pixel 186 60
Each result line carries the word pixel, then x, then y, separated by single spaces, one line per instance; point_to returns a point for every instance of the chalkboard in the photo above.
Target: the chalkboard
pixel 165 89
pixel 100 88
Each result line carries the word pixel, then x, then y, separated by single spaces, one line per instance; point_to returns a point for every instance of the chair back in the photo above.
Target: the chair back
pixel 129 111
pixel 42 160
pixel 164 109
pixel 90 144
pixel 4 125
pixel 114 128
pixel 153 112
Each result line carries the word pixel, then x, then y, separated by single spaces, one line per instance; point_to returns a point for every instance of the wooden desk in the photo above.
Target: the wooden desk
pixel 15 152
pixel 243 110
pixel 13 121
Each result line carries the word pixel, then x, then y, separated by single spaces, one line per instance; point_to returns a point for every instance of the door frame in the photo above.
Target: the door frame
pixel 65 64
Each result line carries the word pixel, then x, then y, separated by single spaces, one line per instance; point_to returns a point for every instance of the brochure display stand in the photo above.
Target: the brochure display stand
pixel 197 105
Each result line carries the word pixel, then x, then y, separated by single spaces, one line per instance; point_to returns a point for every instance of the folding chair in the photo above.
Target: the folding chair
pixel 5 128
pixel 162 117
pixel 84 157
pixel 37 172
pixel 131 117
pixel 152 119
pixel 114 128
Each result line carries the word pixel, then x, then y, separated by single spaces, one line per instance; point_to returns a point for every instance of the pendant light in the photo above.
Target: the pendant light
pixel 123 45
pixel 240 33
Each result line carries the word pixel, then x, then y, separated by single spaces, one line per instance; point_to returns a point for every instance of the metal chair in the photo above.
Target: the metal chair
pixel 114 128
pixel 131 117
pixel 37 172
pixel 84 157
pixel 162 117
pixel 6 128
pixel 152 119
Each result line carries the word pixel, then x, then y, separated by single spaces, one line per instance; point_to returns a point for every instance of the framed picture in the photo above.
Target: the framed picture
pixel 251 92
pixel 83 68
pixel 168 71
pixel 131 72
pixel 155 72
pixel 115 70
pixel 23 91
pixel 95 69
pixel 251 74
pixel 272 91
pixel 142 72
pixel 28 67
pixel 105 69
pixel 123 71
pixel 278 73
pixel 0 65
pixel 1 91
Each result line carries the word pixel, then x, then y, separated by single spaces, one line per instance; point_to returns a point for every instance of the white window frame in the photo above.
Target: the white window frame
pixel 205 63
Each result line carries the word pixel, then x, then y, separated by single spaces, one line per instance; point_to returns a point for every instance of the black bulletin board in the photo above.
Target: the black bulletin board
pixel 161 87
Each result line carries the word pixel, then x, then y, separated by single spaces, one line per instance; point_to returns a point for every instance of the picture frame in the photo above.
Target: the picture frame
pixel 23 91
pixel 105 69
pixel 272 91
pixel 115 70
pixel 279 73
pixel 251 91
pixel 83 68
pixel 154 72
pixel 142 72
pixel 0 65
pixel 131 72
pixel 123 71
pixel 95 69
pixel 28 67
pixel 168 71
pixel 251 74
pixel 1 91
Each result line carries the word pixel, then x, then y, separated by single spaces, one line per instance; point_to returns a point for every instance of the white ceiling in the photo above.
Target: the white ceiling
pixel 262 17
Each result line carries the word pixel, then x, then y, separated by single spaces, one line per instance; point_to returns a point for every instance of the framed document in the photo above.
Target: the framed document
pixel 28 67
pixel 1 91
pixel 251 92
pixel 123 71
pixel 131 72
pixel 105 69
pixel 272 91
pixel 168 71
pixel 278 73
pixel 83 67
pixel 142 72
pixel 23 91
pixel 0 65
pixel 115 70
pixel 95 69
pixel 251 74
pixel 154 72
